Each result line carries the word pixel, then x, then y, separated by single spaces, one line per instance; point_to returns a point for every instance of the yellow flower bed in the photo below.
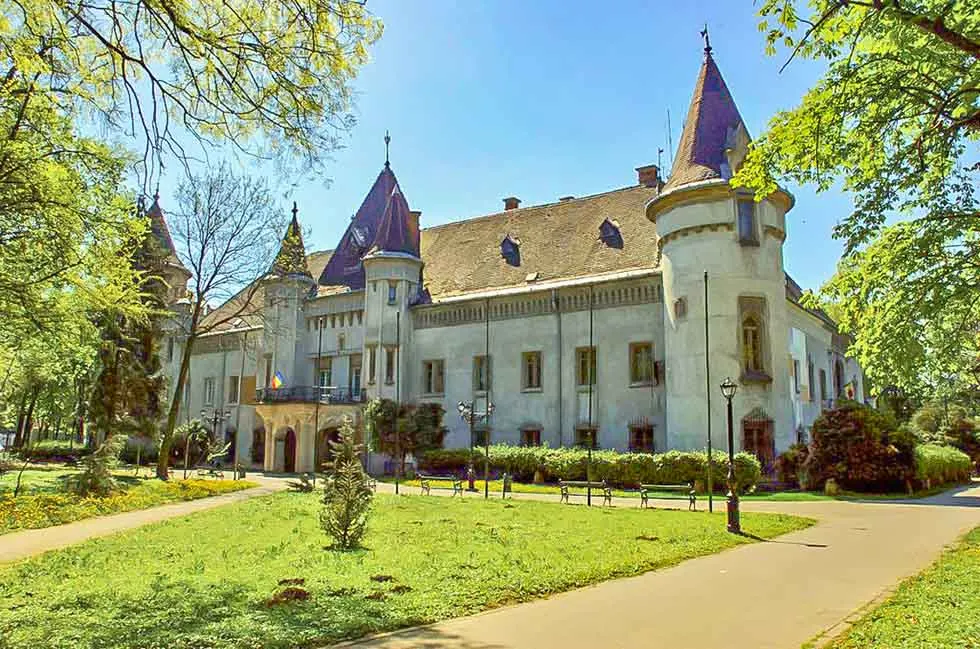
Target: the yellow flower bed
pixel 45 510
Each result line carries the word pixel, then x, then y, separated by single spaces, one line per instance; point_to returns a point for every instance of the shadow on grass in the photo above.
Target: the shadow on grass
pixel 427 637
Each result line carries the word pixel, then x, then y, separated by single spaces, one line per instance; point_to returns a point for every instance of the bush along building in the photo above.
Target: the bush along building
pixel 578 319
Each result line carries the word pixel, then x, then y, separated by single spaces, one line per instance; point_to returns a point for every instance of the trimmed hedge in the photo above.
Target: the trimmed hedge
pixel 936 465
pixel 51 450
pixel 619 469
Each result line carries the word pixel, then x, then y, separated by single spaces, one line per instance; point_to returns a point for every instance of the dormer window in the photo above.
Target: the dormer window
pixel 510 250
pixel 610 235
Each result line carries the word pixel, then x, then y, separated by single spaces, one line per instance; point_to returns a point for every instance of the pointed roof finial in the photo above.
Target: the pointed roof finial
pixel 707 40
pixel 387 142
pixel 295 209
pixel 156 193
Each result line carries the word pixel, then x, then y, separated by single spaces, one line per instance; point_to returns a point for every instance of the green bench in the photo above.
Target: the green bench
pixel 425 481
pixel 692 498
pixel 566 485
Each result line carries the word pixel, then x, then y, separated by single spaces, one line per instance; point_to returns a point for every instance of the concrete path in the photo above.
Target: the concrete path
pixel 776 594
pixel 27 543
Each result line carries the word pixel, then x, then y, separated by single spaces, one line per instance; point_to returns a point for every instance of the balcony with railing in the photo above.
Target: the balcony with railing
pixel 309 394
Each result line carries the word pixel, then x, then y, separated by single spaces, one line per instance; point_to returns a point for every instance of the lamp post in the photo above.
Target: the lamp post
pixel 470 416
pixel 728 390
pixel 318 393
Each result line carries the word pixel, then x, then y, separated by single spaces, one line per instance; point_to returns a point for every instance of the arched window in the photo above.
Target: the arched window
pixel 751 344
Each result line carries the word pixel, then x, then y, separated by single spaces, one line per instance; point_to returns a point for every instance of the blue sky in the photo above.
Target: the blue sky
pixel 549 98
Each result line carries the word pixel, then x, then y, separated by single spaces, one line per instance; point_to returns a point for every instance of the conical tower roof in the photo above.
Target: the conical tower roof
pixel 159 234
pixel 291 258
pixel 397 232
pixel 712 128
pixel 344 267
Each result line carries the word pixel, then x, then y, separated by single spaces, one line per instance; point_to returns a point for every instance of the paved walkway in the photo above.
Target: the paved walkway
pixel 776 594
pixel 27 543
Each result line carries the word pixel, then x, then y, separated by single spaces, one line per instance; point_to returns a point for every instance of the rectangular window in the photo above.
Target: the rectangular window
pixel 170 350
pixel 641 438
pixel 746 222
pixel 583 434
pixel 268 371
pixel 823 385
pixel 531 362
pixel 809 376
pixel 531 437
pixel 233 383
pixel 389 365
pixel 372 363
pixel 481 373
pixel 354 375
pixel 481 436
pixel 433 377
pixel 209 391
pixel 392 292
pixel 324 376
pixel 585 367
pixel 641 363
pixel 796 375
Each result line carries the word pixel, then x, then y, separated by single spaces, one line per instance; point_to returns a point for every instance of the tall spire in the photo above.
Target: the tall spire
pixel 713 131
pixel 291 258
pixel 161 233
pixel 397 231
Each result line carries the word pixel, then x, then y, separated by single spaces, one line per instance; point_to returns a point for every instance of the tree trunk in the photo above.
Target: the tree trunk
pixel 167 435
pixel 21 413
pixel 29 418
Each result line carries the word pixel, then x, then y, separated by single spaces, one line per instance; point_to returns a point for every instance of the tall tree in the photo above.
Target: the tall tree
pixel 226 229
pixel 895 119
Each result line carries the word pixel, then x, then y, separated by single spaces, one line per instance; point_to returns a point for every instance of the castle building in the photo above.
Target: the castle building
pixel 609 318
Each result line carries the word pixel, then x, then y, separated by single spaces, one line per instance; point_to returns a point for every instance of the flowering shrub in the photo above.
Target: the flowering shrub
pixel 619 469
pixel 45 510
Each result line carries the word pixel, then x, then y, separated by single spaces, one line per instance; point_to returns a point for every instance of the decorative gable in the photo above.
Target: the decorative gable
pixel 510 250
pixel 610 234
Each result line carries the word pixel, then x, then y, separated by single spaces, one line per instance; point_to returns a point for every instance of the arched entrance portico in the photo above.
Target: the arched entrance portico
pixel 305 444
pixel 285 458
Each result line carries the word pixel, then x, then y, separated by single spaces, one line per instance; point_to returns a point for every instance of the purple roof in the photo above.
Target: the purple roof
pixel 712 120
pixel 397 232
pixel 344 267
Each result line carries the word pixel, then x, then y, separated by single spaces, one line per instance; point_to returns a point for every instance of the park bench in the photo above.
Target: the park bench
pixel 425 481
pixel 210 472
pixel 692 498
pixel 565 485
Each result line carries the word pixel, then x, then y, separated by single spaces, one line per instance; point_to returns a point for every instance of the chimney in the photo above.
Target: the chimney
pixel 648 175
pixel 512 203
pixel 416 218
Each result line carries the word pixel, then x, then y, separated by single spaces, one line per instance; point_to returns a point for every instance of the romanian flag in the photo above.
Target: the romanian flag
pixel 277 380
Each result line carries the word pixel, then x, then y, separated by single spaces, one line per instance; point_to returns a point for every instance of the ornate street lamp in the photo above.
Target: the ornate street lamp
pixel 470 416
pixel 728 390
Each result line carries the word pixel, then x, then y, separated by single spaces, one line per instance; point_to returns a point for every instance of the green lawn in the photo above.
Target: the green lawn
pixel 937 609
pixel 43 502
pixel 205 580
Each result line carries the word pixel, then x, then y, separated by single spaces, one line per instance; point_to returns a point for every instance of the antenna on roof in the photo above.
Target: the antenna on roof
pixel 670 142
pixel 707 41
pixel 387 142
pixel 660 154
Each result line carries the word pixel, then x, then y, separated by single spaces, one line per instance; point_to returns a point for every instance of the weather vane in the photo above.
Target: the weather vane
pixel 387 142
pixel 707 41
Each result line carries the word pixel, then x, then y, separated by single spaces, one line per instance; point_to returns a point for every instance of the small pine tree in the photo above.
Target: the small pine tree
pixel 95 478
pixel 346 494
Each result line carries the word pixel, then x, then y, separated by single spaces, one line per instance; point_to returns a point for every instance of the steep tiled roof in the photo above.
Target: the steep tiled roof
pixel 557 241
pixel 397 232
pixel 710 128
pixel 291 258
pixel 345 267
pixel 161 233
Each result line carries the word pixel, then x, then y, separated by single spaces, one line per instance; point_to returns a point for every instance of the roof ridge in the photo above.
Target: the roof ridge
pixel 533 207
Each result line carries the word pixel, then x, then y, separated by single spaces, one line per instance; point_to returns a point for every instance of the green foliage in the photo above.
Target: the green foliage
pixel 475 556
pixel 861 449
pixel 95 478
pixel 406 429
pixel 789 465
pixel 346 494
pixel 936 609
pixel 895 120
pixel 53 451
pixel 936 465
pixel 33 511
pixel 619 469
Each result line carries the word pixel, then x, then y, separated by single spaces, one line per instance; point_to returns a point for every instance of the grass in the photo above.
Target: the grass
pixel 778 496
pixel 43 504
pixel 939 608
pixel 206 580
